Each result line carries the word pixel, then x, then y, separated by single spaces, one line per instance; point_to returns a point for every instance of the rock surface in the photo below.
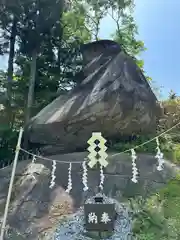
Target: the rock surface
pixel 36 210
pixel 73 226
pixel 114 98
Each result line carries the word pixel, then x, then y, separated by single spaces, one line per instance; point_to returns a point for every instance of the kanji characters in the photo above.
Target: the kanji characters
pixel 92 218
pixel 105 218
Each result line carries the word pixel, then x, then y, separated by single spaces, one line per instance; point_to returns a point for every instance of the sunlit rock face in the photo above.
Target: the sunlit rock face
pixel 113 97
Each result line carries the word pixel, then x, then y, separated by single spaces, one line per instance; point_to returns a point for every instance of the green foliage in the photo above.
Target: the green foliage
pixel 136 141
pixel 172 95
pixel 74 23
pixel 55 36
pixel 158 217
pixel 8 141
pixel 176 154
pixel 169 143
pixel 170 146
pixel 125 36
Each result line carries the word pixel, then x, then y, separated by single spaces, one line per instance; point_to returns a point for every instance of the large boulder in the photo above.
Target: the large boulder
pixel 36 210
pixel 114 98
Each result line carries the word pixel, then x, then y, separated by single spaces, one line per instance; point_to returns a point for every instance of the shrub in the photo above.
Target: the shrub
pixel 8 141
pixel 159 216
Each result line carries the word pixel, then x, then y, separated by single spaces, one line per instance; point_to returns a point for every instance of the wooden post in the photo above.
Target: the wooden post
pixel 3 226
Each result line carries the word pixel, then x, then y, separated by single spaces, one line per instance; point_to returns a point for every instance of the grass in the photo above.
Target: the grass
pixel 159 216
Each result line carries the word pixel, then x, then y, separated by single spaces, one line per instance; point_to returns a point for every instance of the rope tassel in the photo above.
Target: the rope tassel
pixel 84 177
pixel 102 177
pixel 53 177
pixel 134 166
pixel 33 159
pixel 69 187
pixel 159 156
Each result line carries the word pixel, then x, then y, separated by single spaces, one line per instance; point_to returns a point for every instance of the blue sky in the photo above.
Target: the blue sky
pixel 159 27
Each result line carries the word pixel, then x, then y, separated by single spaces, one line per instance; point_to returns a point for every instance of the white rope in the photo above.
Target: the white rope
pixel 113 155
pixel 159 155
pixel 142 144
pixel 45 158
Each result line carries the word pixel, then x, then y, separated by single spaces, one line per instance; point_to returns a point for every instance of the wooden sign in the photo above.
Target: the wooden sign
pixel 99 217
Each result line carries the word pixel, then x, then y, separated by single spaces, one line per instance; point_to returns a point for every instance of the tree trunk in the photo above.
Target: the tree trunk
pixel 59 60
pixel 31 87
pixel 30 96
pixel 10 70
